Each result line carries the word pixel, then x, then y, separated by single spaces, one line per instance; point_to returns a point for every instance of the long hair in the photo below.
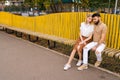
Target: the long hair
pixel 88 15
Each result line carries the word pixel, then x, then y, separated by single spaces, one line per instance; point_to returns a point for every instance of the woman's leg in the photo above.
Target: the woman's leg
pixel 68 65
pixel 73 52
pixel 71 56
pixel 79 52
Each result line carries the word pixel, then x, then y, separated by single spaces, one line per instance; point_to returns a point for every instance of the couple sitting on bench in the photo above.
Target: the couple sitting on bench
pixel 92 27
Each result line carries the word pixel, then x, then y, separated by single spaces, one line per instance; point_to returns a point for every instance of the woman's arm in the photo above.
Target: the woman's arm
pixel 89 37
pixel 81 37
pixel 84 41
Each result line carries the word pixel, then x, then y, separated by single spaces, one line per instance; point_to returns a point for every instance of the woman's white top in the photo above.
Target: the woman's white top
pixel 86 29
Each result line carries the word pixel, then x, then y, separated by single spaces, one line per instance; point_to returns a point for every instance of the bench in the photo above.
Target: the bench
pixel 53 38
pixel 115 53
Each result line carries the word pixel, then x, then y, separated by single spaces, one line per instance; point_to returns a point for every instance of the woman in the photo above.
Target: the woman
pixel 86 31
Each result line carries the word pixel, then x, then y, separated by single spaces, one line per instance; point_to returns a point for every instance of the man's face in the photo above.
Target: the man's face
pixel 96 20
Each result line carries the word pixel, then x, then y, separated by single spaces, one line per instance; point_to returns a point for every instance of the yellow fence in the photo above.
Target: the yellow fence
pixel 64 25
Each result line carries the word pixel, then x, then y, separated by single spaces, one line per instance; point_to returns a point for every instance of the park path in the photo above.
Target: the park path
pixel 21 60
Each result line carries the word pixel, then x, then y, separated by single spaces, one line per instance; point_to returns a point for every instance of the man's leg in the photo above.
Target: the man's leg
pixel 85 51
pixel 98 53
pixel 85 55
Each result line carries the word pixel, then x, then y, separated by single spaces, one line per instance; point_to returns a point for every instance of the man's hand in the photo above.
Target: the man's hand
pixel 94 48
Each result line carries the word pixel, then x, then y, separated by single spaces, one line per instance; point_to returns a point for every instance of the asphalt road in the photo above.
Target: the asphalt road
pixel 21 60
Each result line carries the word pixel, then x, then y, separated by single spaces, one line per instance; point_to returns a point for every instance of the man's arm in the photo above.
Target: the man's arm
pixel 103 36
pixel 102 39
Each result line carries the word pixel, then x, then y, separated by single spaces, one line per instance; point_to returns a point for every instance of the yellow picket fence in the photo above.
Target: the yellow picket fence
pixel 64 25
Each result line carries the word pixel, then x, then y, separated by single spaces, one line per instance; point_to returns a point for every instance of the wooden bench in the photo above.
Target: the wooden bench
pixel 115 53
pixel 53 38
pixel 108 51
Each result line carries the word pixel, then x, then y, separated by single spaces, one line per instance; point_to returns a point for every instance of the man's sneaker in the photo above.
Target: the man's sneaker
pixel 84 66
pixel 79 63
pixel 97 63
pixel 67 66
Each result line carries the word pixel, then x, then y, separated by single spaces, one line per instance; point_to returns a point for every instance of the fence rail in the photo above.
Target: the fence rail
pixel 65 25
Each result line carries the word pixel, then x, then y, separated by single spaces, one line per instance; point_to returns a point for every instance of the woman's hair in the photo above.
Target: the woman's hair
pixel 88 15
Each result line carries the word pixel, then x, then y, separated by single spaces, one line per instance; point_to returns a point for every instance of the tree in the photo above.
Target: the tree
pixel 36 3
pixel 101 4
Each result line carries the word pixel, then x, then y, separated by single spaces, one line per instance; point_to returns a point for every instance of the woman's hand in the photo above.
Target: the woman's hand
pixel 83 42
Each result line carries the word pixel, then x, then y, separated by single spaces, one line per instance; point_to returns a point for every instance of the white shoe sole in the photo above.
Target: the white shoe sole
pixel 78 65
pixel 65 69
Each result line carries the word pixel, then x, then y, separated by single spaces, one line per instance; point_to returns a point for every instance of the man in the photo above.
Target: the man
pixel 98 43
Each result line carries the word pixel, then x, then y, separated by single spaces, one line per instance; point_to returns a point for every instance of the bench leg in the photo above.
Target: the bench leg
pixel 18 34
pixel 54 44
pixel 49 45
pixel 1 28
pixel 9 31
pixel 90 54
pixel 30 39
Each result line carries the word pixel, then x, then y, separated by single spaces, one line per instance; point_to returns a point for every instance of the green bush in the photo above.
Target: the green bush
pixel 12 8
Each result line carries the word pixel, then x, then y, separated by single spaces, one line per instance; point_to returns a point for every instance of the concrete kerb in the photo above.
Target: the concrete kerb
pixel 102 69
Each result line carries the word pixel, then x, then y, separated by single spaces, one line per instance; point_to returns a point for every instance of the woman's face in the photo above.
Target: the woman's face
pixel 89 19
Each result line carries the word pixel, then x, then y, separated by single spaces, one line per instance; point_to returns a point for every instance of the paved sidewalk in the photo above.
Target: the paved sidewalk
pixel 20 60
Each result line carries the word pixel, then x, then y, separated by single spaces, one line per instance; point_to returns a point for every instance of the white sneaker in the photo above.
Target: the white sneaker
pixel 79 63
pixel 67 66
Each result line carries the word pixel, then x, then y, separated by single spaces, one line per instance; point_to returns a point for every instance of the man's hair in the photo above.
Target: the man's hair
pixel 96 15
